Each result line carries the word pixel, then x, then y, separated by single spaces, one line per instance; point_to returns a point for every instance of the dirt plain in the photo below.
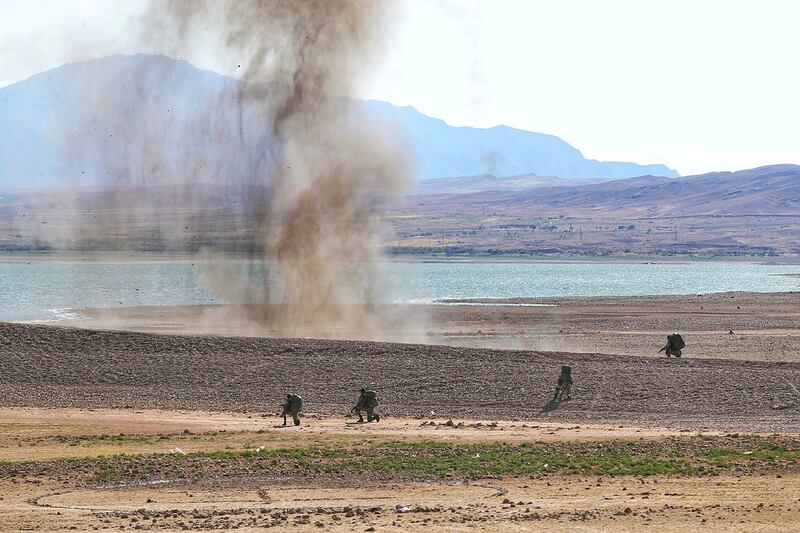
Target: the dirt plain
pixel 739 325
pixel 141 430
pixel 66 367
pixel 100 469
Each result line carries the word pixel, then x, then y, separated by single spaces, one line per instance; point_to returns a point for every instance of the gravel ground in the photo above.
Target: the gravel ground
pixel 734 325
pixel 45 366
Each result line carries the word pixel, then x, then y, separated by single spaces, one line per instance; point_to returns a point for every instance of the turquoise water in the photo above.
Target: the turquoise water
pixel 51 291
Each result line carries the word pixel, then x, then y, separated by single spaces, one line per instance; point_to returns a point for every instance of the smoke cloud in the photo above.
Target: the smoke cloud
pixel 281 167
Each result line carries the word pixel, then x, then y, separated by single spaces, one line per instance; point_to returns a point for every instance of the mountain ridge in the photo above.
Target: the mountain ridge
pixel 767 190
pixel 472 151
pixel 48 136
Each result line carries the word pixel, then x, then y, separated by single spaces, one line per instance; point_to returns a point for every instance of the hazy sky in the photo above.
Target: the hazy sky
pixel 699 85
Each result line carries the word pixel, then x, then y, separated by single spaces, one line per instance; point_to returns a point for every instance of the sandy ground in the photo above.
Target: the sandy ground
pixel 765 327
pixel 766 502
pixel 753 503
pixel 42 434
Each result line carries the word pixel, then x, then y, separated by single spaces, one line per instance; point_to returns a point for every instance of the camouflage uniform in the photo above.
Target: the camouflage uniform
pixel 367 401
pixel 674 345
pixel 564 383
pixel 292 407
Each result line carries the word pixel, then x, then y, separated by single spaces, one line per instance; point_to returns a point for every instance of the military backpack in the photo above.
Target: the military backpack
pixel 369 399
pixel 295 403
pixel 677 341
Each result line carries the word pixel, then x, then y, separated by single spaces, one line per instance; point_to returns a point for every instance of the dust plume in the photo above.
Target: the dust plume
pixel 301 174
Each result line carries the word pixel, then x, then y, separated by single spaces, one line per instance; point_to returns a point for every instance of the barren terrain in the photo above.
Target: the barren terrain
pixel 156 470
pixel 119 429
pixel 742 326
pixel 753 213
pixel 61 367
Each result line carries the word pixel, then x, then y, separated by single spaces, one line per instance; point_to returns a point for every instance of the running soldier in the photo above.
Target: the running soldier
pixel 674 345
pixel 292 407
pixel 367 401
pixel 564 384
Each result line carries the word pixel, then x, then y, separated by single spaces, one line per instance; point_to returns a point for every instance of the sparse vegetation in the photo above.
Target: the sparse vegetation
pixel 696 456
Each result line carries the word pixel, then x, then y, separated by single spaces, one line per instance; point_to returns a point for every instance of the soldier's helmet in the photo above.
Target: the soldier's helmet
pixel 566 369
pixel 363 390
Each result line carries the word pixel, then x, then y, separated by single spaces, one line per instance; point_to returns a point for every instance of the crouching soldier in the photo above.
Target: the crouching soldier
pixel 674 345
pixel 367 401
pixel 292 407
pixel 564 386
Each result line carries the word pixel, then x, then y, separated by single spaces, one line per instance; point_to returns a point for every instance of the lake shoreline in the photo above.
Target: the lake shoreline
pixel 187 257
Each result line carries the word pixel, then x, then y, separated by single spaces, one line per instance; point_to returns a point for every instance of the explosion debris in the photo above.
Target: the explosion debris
pixel 308 178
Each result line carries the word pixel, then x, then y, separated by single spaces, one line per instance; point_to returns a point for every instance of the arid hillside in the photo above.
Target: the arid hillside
pixel 770 190
pixel 752 212
pixel 748 213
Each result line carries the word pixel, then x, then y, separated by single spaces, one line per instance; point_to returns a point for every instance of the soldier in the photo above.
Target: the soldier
pixel 564 383
pixel 674 345
pixel 292 407
pixel 367 401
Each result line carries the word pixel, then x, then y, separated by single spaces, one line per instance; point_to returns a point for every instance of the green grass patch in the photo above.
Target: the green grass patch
pixel 93 440
pixel 123 439
pixel 691 456
pixel 623 458
pixel 109 474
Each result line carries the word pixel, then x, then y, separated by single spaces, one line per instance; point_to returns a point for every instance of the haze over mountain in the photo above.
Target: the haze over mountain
pixel 442 150
pixel 49 137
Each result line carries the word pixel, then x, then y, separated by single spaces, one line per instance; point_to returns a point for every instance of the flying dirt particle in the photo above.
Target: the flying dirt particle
pixel 298 174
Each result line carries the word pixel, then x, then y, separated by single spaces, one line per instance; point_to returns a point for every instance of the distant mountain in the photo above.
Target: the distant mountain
pixel 770 190
pixel 153 104
pixel 129 116
pixel 447 151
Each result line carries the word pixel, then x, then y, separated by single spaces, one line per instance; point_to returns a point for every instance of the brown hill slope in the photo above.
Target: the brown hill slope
pixel 751 212
pixel 767 190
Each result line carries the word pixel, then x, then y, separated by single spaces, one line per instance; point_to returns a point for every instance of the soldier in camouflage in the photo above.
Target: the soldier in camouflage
pixel 367 401
pixel 292 407
pixel 674 345
pixel 564 386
